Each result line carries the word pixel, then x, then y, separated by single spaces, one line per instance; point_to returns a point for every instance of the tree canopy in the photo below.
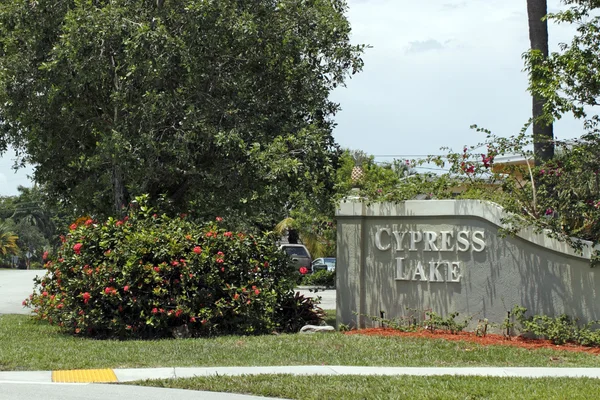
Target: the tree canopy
pixel 221 104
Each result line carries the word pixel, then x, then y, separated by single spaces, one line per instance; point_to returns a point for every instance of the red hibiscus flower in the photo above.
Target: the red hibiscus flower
pixel 86 297
pixel 126 288
pixel 197 250
pixel 155 310
pixel 303 270
pixel 157 269
pixel 77 248
pixel 73 227
pixel 88 222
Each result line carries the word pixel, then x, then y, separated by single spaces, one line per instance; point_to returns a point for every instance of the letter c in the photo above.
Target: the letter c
pixel 378 239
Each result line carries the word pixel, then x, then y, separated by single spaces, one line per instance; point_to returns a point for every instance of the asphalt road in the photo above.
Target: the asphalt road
pixel 15 286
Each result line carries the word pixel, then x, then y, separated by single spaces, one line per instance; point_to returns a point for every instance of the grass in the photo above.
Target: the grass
pixel 26 344
pixel 390 387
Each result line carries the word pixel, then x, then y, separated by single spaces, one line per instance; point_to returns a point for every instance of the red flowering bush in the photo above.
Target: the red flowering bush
pixel 146 274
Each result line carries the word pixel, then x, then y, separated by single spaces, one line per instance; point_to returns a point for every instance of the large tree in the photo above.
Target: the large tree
pixel 224 104
pixel 543 135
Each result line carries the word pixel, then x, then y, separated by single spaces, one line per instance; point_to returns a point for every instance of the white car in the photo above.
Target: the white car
pixel 322 263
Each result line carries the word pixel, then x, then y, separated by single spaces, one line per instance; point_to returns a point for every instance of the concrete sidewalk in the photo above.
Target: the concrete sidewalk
pixel 134 374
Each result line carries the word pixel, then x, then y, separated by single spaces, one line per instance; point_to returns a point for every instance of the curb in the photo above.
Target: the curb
pixel 134 374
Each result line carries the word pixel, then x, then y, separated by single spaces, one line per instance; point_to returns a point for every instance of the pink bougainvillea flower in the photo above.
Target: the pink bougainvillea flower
pixel 228 234
pixel 77 248
pixel 219 219
pixel 256 292
pixel 86 297
pixel 197 250
pixel 73 227
pixel 45 255
pixel 44 294
pixel 549 211
pixel 303 270
pixel 155 310
pixel 220 261
pixel 192 319
pixel 126 288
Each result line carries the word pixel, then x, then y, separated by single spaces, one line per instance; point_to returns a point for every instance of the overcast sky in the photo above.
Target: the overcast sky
pixel 435 68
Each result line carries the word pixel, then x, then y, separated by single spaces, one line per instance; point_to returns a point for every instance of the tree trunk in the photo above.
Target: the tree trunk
pixel 118 189
pixel 543 135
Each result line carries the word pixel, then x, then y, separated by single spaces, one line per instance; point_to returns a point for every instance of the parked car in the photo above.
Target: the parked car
pixel 299 255
pixel 327 263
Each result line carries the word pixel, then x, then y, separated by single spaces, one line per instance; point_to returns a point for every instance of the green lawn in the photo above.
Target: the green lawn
pixel 29 345
pixel 391 387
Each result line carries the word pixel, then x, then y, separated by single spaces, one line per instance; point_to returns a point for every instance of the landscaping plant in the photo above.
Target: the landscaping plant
pixel 150 275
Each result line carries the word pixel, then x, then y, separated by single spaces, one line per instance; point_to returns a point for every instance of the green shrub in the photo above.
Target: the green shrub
pixel 559 330
pixel 319 278
pixel 148 274
pixel 296 311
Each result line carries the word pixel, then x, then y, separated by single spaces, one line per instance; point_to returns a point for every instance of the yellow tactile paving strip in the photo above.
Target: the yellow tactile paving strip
pixel 84 376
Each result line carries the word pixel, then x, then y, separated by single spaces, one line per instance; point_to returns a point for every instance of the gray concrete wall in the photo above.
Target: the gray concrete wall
pixel 489 274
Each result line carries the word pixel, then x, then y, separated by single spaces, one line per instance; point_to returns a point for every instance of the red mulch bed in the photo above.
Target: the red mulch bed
pixel 489 339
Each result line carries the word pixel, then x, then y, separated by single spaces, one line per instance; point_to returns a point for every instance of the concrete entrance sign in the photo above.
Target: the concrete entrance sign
pixel 448 256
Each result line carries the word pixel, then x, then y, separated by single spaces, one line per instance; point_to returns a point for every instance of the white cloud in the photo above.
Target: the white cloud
pixel 423 46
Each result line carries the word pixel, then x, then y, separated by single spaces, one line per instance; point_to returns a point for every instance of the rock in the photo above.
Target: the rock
pixel 181 332
pixel 316 329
